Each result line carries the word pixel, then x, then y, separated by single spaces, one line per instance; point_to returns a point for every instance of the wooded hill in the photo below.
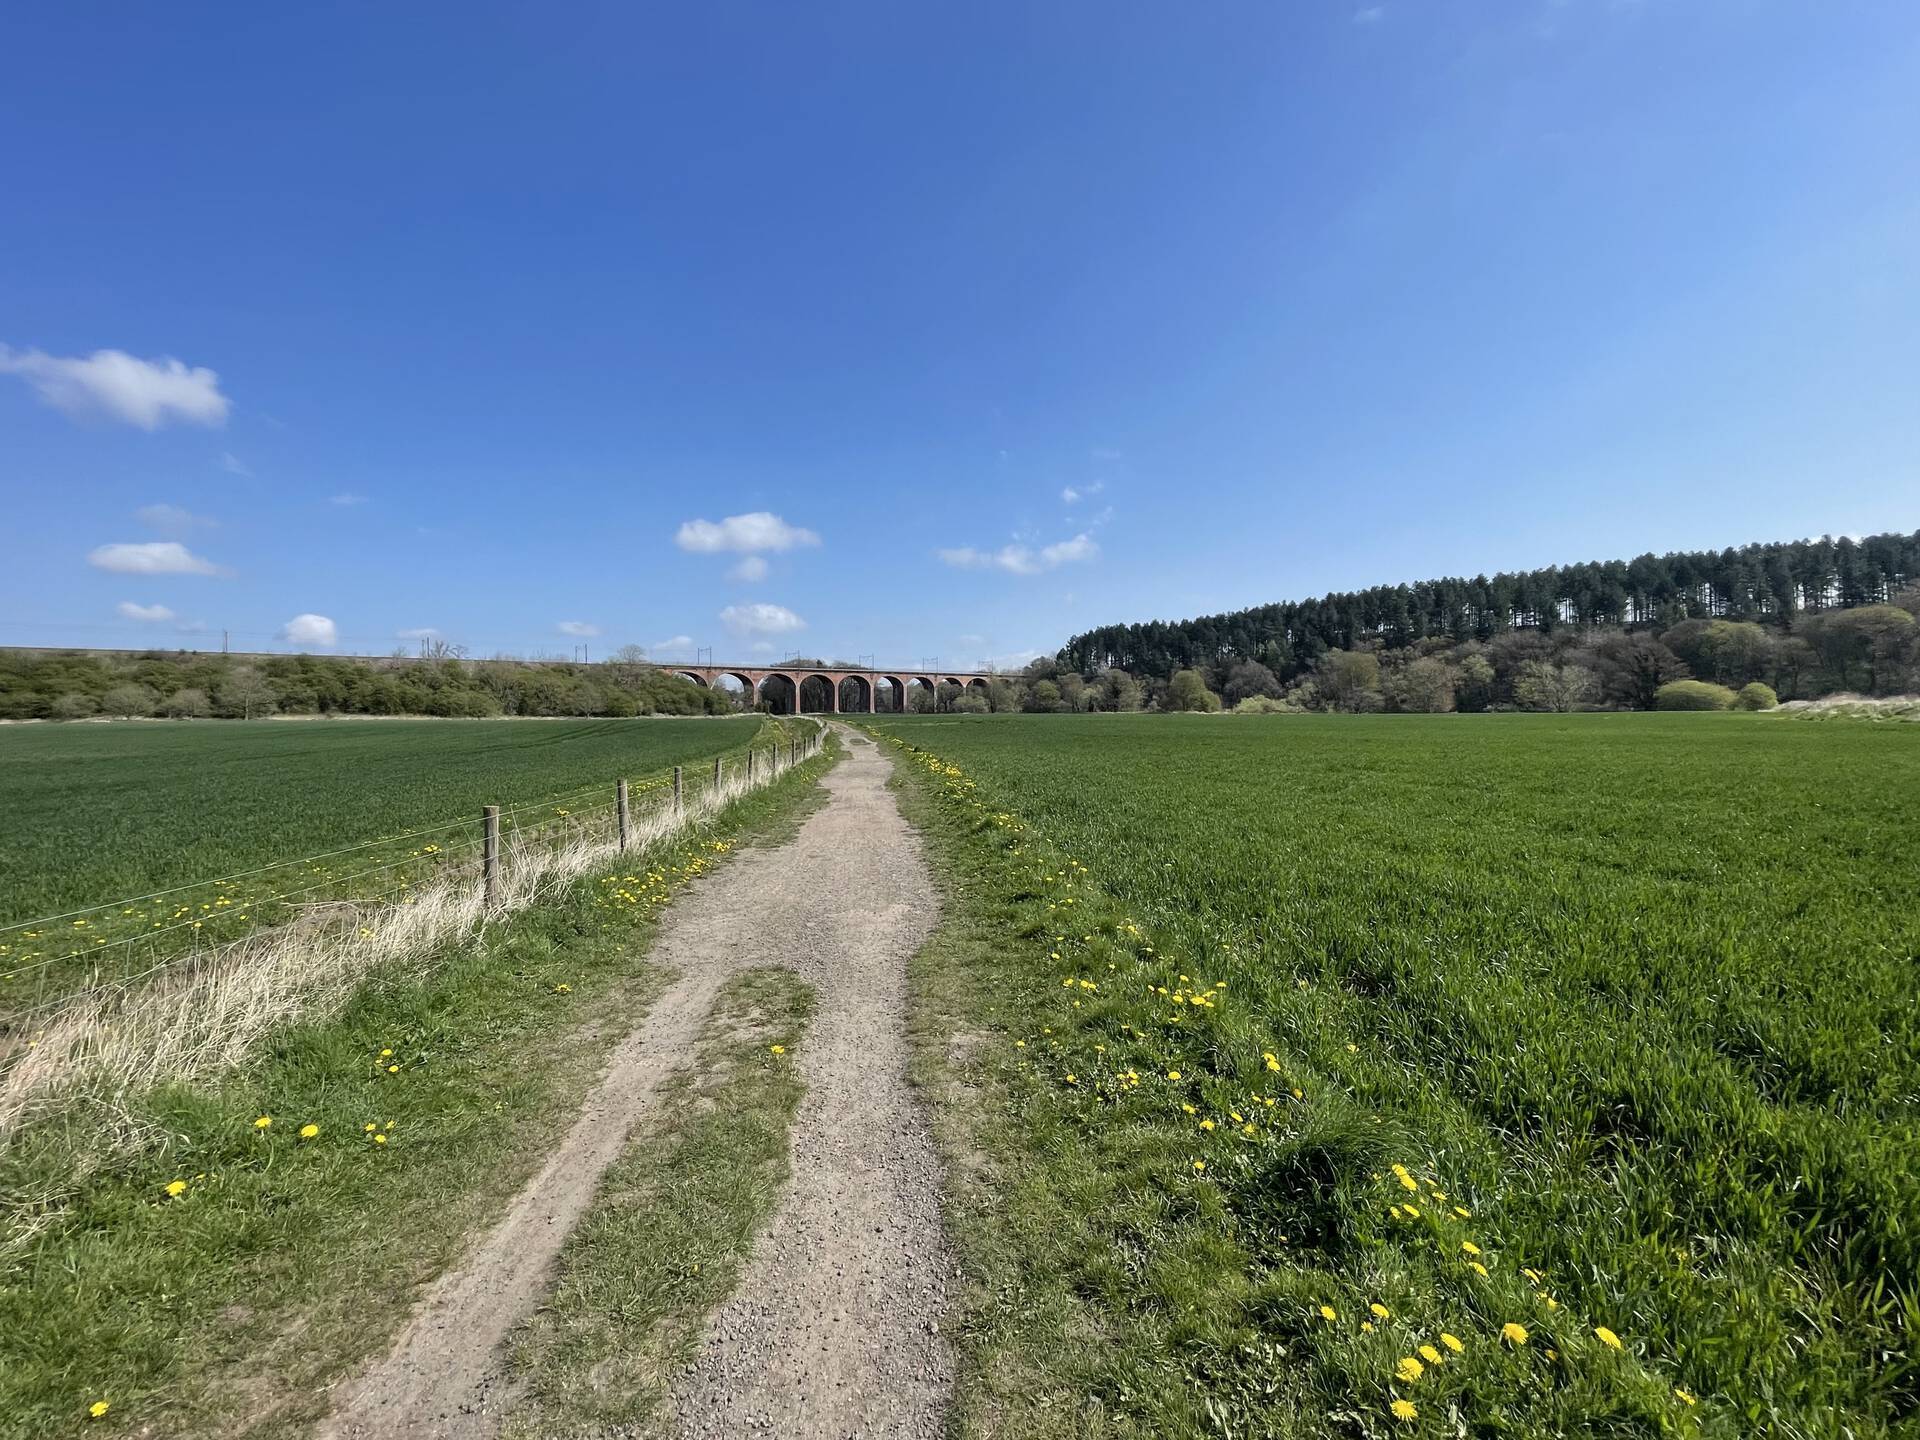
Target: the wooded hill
pixel 1769 584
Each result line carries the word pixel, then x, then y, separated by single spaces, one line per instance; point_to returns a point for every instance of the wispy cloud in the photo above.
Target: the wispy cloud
pixel 579 629
pixel 1018 559
pixel 749 571
pixel 1370 15
pixel 672 645
pixel 761 619
pixel 173 520
pixel 760 530
pixel 418 632
pixel 1074 494
pixel 311 631
pixel 119 386
pixel 146 614
pixel 153 557
pixel 346 497
pixel 234 465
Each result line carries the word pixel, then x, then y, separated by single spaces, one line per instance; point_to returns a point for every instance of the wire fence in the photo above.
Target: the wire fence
pixel 46 962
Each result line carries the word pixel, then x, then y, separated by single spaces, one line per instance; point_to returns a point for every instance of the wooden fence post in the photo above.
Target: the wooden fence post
pixel 750 754
pixel 620 807
pixel 490 854
pixel 716 773
pixel 676 787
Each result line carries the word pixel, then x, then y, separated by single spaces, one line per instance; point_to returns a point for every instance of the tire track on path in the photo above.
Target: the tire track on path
pixel 835 1329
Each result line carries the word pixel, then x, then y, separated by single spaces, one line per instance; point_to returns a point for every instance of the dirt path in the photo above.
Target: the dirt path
pixel 834 1331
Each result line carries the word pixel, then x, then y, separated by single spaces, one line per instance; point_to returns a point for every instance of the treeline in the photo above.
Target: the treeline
pixel 1771 584
pixel 78 685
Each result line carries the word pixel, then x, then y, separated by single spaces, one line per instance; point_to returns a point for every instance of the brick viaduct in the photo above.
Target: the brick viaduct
pixel 783 686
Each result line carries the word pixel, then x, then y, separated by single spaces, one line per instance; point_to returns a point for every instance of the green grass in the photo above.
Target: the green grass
pixel 287 1261
pixel 98 812
pixel 1636 992
pixel 671 1226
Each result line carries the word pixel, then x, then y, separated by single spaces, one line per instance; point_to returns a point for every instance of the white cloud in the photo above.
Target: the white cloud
pixel 760 619
pixel 147 393
pixel 148 614
pixel 761 530
pixel 673 644
pixel 172 520
pixel 315 630
pixel 234 465
pixel 153 557
pixel 579 629
pixel 346 498
pixel 1017 559
pixel 1071 494
pixel 749 570
pixel 418 632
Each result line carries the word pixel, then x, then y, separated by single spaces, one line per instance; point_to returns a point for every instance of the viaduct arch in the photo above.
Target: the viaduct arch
pixel 788 689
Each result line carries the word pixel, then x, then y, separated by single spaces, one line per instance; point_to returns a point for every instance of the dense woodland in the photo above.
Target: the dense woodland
pixel 77 685
pixel 1804 618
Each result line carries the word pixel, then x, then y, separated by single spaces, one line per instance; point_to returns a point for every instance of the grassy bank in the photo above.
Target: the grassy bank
pixel 212 1280
pixel 1591 1027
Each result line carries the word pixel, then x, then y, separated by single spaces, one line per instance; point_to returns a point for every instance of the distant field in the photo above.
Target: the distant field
pixel 92 813
pixel 1636 993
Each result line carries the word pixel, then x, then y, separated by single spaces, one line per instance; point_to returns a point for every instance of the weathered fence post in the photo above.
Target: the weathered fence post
pixel 490 854
pixel 716 773
pixel 676 787
pixel 620 808
pixel 751 752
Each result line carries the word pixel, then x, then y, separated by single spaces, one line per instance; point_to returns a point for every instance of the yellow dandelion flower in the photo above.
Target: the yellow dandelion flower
pixel 1206 1124
pixel 1189 1109
pixel 1409 1369
pixel 1430 1355
pixel 1513 1334
pixel 379 1139
pixel 1327 1312
pixel 1469 1247
pixel 1463 1212
pixel 1407 1182
pixel 1380 1311
pixel 777 1049
pixel 1686 1396
pixel 307 1132
pixel 1173 1074
pixel 1607 1337
pixel 1452 1342
pixel 1366 1327
pixel 1477 1268
pixel 1404 1410
pixel 97 1409
pixel 1199 1166
pixel 1413 1210
pixel 1073 1080
pixel 176 1188
pixel 263 1122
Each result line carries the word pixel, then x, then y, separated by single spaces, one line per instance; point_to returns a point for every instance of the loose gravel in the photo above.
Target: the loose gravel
pixel 835 1330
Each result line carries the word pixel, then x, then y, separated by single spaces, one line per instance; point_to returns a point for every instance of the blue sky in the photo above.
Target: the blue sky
pixel 921 331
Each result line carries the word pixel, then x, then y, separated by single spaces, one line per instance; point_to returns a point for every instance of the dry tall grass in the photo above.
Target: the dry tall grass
pixel 201 1014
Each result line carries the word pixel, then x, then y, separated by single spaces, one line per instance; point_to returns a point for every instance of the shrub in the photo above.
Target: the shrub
pixel 1693 695
pixel 1187 691
pixel 1265 705
pixel 1756 697
pixel 74 707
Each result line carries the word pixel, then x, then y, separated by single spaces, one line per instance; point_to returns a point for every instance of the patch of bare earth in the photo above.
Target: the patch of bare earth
pixel 835 1329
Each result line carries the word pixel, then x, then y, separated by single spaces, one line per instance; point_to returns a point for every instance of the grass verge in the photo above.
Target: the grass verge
pixel 671 1225
pixel 288 1256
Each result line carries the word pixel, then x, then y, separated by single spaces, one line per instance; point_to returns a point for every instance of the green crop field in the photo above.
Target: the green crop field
pixel 95 813
pixel 1516 1075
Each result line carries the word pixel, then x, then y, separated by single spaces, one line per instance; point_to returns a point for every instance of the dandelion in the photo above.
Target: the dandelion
pixel 1686 1396
pixel 1366 1327
pixel 1404 1410
pixel 777 1049
pixel 1199 1166
pixel 1469 1247
pixel 370 1127
pixel 175 1189
pixel 1380 1311
pixel 1206 1124
pixel 1607 1337
pixel 97 1409
pixel 1409 1369
pixel 1477 1268
pixel 1327 1312
pixel 1513 1334
pixel 1430 1355
pixel 1173 1074
pixel 1463 1212
pixel 379 1139
pixel 307 1132
pixel 1452 1342
pixel 1073 1080
pixel 393 1069
pixel 263 1122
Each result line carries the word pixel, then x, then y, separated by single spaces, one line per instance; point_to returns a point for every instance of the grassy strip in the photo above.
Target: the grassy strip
pixel 287 1256
pixel 1134 1275
pixel 674 1220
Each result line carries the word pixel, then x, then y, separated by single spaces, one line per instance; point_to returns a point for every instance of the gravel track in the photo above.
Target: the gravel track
pixel 835 1329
